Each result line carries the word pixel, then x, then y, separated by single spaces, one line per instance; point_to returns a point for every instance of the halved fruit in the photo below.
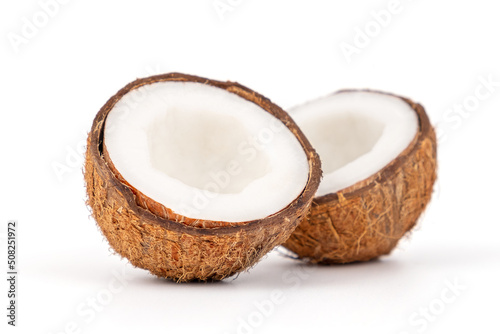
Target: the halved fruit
pixel 378 154
pixel 195 179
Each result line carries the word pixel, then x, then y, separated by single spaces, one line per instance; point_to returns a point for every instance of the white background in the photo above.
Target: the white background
pixel 55 81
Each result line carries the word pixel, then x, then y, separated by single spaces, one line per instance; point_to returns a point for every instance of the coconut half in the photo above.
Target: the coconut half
pixel 378 154
pixel 195 179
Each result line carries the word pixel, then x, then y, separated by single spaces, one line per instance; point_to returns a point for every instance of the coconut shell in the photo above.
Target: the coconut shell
pixel 170 245
pixel 367 219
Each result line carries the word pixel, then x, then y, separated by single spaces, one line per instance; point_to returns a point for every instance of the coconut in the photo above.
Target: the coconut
pixel 196 179
pixel 378 154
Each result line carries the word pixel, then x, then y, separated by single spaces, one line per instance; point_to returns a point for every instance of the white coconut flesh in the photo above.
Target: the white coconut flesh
pixel 356 134
pixel 205 153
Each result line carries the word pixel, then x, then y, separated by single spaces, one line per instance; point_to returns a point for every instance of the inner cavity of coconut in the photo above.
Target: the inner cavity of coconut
pixel 356 134
pixel 205 153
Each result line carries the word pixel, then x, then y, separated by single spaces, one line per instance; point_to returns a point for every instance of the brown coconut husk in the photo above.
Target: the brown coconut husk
pixel 170 245
pixel 367 219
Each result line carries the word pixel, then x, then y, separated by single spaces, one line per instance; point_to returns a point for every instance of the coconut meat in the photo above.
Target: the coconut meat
pixel 356 134
pixel 205 153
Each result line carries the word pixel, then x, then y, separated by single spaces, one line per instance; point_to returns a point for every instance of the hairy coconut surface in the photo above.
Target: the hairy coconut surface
pixel 367 219
pixel 174 246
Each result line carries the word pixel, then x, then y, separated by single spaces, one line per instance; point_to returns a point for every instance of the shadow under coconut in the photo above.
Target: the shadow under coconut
pixel 279 270
pixel 263 274
pixel 345 274
pixel 399 268
pixel 156 281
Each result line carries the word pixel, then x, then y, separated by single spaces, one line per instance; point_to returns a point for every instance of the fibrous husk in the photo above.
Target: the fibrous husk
pixel 367 219
pixel 170 245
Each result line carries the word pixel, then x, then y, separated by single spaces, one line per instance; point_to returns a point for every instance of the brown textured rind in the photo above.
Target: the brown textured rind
pixel 367 219
pixel 174 249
